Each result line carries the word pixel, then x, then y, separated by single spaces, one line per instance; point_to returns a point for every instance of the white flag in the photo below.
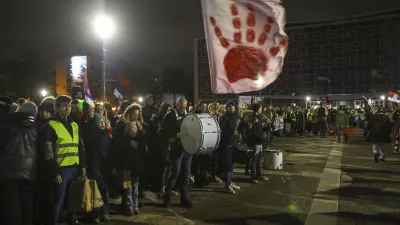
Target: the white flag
pixel 246 43
pixel 117 94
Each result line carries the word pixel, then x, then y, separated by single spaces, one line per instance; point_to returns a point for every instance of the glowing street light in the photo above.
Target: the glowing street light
pixel 383 97
pixel 308 98
pixel 43 93
pixel 104 27
pixel 140 99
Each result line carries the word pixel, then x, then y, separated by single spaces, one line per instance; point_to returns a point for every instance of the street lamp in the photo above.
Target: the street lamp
pixel 140 99
pixel 104 27
pixel 43 93
pixel 308 98
pixel 383 97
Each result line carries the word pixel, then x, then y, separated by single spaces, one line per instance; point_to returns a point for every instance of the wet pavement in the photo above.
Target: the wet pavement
pixel 366 193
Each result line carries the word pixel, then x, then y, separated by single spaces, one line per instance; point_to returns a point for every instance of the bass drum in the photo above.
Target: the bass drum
pixel 200 134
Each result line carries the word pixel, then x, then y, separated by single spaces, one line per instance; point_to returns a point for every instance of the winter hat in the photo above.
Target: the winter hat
pixel 229 104
pixel 28 107
pixel 97 117
pixel 150 96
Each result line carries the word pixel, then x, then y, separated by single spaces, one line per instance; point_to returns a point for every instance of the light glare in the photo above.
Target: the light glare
pixel 382 97
pixel 260 81
pixel 308 98
pixel 104 26
pixel 140 99
pixel 43 93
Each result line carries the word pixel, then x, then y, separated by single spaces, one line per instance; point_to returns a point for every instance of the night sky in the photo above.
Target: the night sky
pixel 153 33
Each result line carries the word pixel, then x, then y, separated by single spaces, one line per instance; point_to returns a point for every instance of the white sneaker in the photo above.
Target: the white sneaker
pixel 235 187
pixel 263 178
pixel 192 179
pixel 230 190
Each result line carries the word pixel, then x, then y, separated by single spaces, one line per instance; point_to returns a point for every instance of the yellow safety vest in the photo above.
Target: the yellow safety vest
pixel 67 147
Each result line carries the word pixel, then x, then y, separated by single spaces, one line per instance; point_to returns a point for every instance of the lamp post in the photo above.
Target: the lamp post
pixel 104 27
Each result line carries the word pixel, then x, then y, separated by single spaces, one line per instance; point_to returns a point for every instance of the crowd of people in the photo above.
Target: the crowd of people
pixel 137 147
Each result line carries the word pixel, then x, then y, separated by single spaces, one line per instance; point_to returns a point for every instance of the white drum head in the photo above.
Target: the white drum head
pixel 190 134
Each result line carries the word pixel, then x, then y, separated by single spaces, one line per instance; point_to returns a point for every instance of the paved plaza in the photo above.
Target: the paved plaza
pixel 322 183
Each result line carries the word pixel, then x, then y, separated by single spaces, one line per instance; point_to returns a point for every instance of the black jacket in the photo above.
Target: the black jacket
pixel 171 124
pixel 148 111
pixel 128 150
pixel 228 124
pixel 98 145
pixel 379 127
pixel 18 148
pixel 49 141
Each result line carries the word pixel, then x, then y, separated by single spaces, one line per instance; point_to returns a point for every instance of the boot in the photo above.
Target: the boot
pixel 167 200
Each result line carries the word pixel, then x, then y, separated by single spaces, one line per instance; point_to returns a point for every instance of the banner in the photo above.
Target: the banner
pixel 393 97
pixel 244 99
pixel 246 43
pixel 78 68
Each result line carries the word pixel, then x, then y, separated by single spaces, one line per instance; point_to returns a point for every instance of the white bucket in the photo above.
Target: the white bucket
pixel 273 159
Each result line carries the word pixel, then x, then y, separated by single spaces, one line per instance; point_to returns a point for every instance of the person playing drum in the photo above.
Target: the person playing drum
pixel 180 161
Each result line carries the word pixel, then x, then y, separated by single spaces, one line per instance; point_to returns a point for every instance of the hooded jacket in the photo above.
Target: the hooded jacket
pixel 18 148
pixel 341 120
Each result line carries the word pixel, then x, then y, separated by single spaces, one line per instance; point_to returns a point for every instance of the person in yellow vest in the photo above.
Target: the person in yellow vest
pixel 64 155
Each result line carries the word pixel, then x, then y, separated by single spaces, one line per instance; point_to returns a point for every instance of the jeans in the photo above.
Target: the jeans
pixel 16 202
pixel 322 128
pixel 103 210
pixel 228 178
pixel 60 193
pixel 256 160
pixel 378 149
pixel 180 166
pixel 130 198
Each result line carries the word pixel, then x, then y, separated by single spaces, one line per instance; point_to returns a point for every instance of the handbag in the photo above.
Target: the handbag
pixel 84 196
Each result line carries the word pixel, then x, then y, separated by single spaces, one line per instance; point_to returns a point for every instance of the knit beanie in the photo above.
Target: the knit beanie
pixel 28 107
pixel 97 117
pixel 229 104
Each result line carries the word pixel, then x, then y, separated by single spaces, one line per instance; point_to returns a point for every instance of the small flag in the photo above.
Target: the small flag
pixel 88 96
pixel 393 97
pixel 118 94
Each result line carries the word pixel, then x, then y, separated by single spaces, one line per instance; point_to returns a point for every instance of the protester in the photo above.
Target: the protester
pixel 18 166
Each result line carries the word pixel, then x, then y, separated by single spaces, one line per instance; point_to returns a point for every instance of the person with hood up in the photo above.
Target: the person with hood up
pixel 98 152
pixel 18 166
pixel 229 123
pixel 378 133
pixel 341 123
pixel 77 93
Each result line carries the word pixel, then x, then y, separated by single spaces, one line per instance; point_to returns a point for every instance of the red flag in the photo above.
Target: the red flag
pixel 327 100
pixel 123 81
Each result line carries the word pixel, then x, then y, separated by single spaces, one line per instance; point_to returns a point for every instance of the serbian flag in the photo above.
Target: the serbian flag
pixel 246 43
pixel 88 96
pixel 393 97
